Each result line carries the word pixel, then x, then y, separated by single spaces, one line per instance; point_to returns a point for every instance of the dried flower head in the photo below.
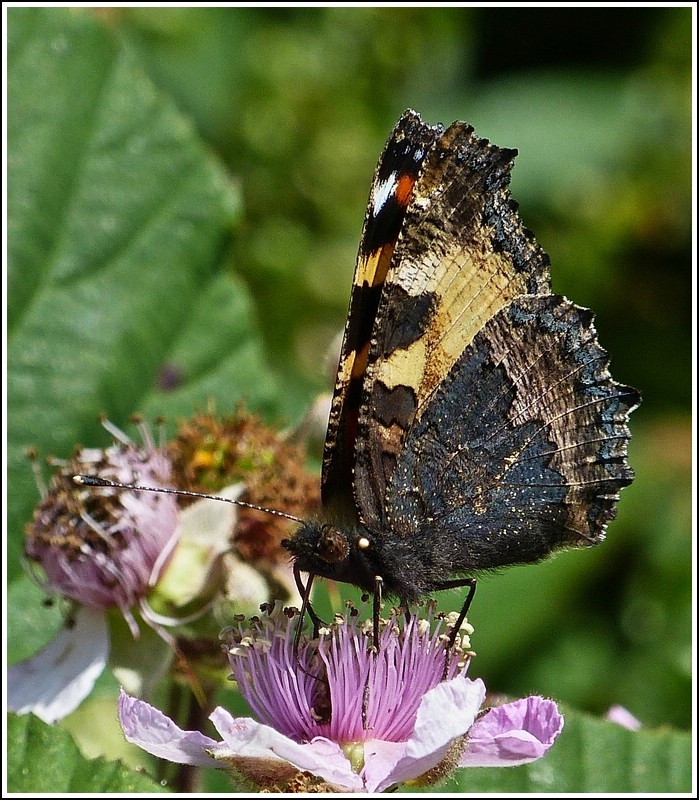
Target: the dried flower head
pixel 209 453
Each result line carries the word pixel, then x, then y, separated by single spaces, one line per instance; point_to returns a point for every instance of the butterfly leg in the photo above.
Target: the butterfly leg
pixel 306 607
pixel 378 594
pixel 471 583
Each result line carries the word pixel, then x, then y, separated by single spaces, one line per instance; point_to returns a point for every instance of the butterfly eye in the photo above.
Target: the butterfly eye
pixel 333 546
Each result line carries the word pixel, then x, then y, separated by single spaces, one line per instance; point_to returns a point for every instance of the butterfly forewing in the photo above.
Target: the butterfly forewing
pixel 474 422
pixel 389 196
pixel 462 255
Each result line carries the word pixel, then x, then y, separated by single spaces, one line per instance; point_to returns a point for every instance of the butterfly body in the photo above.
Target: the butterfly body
pixel 474 423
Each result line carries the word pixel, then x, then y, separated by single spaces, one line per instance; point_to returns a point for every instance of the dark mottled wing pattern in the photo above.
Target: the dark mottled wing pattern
pixel 522 449
pixel 389 196
pixel 462 255
pixel 474 415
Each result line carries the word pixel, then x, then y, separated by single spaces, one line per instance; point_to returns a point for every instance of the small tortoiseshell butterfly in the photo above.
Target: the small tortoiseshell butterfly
pixel 474 422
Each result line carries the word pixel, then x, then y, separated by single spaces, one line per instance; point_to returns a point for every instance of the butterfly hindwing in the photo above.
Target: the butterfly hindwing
pixel 535 452
pixel 474 422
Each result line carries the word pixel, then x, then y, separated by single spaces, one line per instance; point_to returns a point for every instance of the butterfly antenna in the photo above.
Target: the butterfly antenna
pixel 90 480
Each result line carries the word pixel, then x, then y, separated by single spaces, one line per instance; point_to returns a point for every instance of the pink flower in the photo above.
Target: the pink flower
pixel 335 713
pixel 102 549
pixel 176 569
pixel 105 547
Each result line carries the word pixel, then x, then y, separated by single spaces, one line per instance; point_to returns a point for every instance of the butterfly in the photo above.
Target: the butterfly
pixel 474 422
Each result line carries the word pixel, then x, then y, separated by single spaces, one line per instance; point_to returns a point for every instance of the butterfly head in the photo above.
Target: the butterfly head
pixel 324 549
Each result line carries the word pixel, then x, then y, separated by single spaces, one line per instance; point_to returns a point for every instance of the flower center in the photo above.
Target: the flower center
pixel 338 686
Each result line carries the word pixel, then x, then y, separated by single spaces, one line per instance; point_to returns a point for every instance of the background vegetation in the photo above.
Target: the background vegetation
pixel 187 186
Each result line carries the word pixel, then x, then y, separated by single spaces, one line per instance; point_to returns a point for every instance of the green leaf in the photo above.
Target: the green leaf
pixel 31 624
pixel 42 758
pixel 218 353
pixel 117 221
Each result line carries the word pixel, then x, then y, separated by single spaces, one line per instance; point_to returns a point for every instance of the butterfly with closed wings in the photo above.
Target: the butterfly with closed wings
pixel 474 422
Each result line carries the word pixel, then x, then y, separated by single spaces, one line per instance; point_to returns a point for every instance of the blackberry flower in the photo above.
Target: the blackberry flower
pixel 105 547
pixel 335 715
pixel 101 549
pixel 179 566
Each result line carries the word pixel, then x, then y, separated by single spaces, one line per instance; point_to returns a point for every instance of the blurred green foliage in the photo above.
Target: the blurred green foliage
pixel 297 103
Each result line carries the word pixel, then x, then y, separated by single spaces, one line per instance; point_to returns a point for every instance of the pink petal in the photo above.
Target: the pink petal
pixel 513 734
pixel 445 713
pixel 157 734
pixel 244 737
pixel 56 680
pixel 623 717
